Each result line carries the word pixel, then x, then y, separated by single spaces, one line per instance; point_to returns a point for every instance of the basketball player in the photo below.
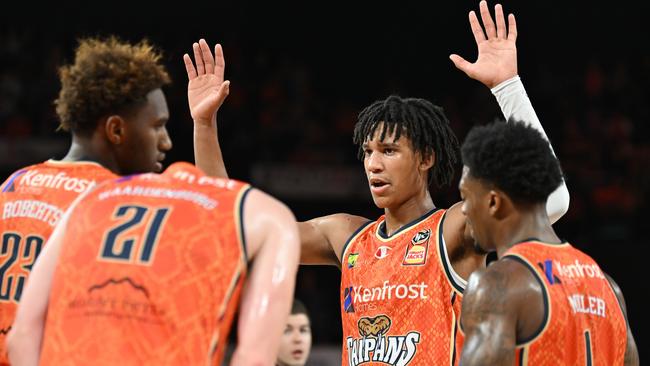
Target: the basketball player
pixel 112 103
pixel 149 270
pixel 543 302
pixel 403 275
pixel 295 343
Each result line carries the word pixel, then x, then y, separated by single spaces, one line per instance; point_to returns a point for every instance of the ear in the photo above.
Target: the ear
pixel 115 128
pixel 494 204
pixel 498 205
pixel 427 162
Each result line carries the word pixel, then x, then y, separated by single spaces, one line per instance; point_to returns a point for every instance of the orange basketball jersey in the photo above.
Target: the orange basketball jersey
pixel 150 272
pixel 32 201
pixel 584 323
pixel 400 298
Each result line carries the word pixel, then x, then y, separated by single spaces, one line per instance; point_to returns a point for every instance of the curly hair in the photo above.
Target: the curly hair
pixel 515 158
pixel 108 76
pixel 422 122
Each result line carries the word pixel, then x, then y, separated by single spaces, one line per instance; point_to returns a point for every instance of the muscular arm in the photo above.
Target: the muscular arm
pixel 487 320
pixel 631 351
pixel 502 304
pixel 273 245
pixel 322 239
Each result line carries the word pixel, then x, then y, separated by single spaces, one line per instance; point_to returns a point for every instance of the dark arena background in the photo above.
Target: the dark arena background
pixel 300 73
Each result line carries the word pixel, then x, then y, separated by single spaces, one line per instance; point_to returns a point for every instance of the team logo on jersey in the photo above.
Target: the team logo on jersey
pixel 9 187
pixel 375 345
pixel 348 300
pixel 382 252
pixel 352 259
pixel 547 267
pixel 416 251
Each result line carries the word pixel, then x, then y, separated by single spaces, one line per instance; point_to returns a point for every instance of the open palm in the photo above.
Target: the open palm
pixel 497 50
pixel 206 89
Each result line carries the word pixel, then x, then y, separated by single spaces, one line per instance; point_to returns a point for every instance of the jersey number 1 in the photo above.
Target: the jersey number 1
pixel 120 241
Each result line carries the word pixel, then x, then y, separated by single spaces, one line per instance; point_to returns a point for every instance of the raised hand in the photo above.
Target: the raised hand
pixel 497 51
pixel 206 89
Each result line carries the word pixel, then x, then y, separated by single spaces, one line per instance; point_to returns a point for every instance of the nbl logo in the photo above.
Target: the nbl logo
pixel 416 251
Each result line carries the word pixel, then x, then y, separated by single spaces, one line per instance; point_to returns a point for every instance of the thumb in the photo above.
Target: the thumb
pixel 460 63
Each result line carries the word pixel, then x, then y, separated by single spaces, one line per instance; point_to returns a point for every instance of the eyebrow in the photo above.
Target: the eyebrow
pixel 384 144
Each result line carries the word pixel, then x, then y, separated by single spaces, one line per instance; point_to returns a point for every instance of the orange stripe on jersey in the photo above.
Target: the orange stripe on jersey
pixel 32 201
pixel 398 304
pixel 585 324
pixel 150 272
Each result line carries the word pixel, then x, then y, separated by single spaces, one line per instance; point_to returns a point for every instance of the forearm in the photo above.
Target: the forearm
pixel 207 151
pixel 24 346
pixel 516 105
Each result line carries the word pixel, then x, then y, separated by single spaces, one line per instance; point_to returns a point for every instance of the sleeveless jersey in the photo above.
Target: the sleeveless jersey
pixel 33 200
pixel 400 298
pixel 584 323
pixel 149 273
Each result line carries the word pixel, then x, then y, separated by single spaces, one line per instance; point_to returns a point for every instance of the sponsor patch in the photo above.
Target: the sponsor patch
pixel 416 251
pixel 352 259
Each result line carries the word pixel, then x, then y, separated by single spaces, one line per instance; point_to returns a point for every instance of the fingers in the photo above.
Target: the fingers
pixel 512 28
pixel 488 23
pixel 200 67
pixel 460 63
pixel 220 62
pixel 189 66
pixel 479 36
pixel 501 22
pixel 208 60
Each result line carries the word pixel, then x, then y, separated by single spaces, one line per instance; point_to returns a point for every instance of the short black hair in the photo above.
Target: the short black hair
pixel 298 308
pixel 422 122
pixel 516 158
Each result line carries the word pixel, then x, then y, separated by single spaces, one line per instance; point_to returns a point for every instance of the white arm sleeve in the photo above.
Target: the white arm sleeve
pixel 515 104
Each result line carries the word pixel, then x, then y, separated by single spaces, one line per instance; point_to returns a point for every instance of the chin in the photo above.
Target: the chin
pixel 380 202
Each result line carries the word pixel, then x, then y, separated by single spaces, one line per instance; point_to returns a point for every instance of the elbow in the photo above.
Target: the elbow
pixel 18 342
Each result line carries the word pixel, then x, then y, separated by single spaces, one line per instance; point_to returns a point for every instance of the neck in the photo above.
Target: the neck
pixel 91 148
pixel 523 225
pixel 396 217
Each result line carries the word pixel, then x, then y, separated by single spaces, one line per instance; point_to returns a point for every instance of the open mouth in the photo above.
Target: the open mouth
pixel 297 354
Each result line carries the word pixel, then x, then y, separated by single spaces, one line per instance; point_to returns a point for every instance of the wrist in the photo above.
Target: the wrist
pixel 504 84
pixel 205 123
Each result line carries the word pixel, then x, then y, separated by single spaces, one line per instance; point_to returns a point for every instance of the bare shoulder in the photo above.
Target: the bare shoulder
pixel 457 238
pixel 505 285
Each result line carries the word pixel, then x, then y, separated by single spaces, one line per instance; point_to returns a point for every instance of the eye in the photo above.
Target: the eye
pixel 389 151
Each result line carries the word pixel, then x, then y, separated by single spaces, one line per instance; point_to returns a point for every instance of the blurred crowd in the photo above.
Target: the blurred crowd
pixel 286 109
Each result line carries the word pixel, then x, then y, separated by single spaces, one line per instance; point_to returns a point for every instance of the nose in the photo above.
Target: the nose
pixel 165 141
pixel 296 337
pixel 373 162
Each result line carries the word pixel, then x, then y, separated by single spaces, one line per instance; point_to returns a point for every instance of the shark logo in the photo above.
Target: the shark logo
pixel 375 345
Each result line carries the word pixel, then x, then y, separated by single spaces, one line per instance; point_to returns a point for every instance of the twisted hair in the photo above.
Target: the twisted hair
pixel 516 158
pixel 422 122
pixel 108 76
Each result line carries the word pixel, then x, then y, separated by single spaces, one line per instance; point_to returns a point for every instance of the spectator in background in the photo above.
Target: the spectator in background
pixel 296 340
